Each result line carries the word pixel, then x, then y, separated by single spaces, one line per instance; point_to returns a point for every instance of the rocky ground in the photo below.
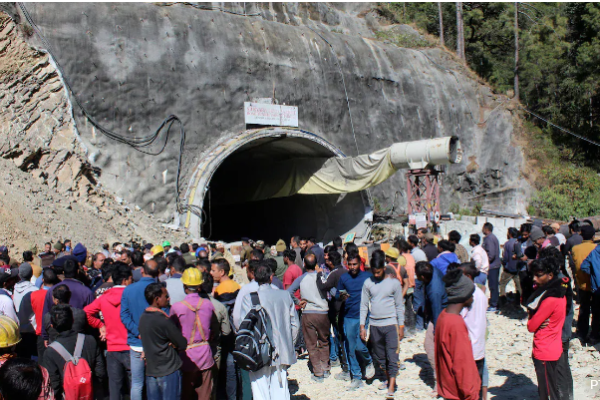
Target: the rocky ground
pixel 32 213
pixel 508 352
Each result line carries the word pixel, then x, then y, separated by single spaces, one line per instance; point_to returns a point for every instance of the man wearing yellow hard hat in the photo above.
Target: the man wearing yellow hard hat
pixel 193 315
pixel 9 338
pixel 397 263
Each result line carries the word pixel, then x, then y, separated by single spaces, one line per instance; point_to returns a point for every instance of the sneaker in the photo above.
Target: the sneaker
pixel 370 371
pixel 334 363
pixel 492 309
pixel 326 374
pixel 318 379
pixel 390 396
pixel 356 384
pixel 342 376
pixel 383 385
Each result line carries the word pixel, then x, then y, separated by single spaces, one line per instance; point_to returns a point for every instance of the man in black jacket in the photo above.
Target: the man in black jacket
pixel 61 294
pixel 62 321
pixel 162 341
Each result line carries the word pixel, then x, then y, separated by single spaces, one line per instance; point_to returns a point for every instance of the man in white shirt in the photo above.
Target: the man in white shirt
pixel 8 278
pixel 561 238
pixel 480 258
pixel 476 321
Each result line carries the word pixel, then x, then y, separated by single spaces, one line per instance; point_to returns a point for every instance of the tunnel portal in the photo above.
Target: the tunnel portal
pixel 239 198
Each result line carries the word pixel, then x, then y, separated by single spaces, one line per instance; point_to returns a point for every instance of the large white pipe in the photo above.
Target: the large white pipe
pixel 428 152
pixel 344 175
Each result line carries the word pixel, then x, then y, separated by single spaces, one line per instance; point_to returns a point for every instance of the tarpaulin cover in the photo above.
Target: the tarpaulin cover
pixel 309 176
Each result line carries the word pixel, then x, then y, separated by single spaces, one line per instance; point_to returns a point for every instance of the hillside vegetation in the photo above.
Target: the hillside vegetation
pixel 559 79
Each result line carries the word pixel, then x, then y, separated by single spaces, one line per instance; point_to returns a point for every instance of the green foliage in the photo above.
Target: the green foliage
pixel 403 40
pixel 571 192
pixel 567 188
pixel 559 55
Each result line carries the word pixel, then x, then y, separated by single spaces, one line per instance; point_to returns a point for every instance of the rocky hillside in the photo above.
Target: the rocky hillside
pixel 132 65
pixel 48 188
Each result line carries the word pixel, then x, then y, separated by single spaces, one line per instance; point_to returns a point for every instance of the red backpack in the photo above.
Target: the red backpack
pixel 77 382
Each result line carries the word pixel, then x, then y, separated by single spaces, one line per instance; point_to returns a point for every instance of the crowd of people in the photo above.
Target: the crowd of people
pixel 196 321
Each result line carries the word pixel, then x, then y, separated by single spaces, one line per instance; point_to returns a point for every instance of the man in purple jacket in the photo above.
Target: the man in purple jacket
pixel 81 295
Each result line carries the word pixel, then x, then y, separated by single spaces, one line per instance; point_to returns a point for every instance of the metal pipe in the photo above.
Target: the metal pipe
pixel 423 153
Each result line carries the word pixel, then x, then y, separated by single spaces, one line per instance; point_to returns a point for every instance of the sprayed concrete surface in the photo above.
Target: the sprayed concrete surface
pixel 132 65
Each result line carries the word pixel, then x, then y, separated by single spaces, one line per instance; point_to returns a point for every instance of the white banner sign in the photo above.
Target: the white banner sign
pixel 270 114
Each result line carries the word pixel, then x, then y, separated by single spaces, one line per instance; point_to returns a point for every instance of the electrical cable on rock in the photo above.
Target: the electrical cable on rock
pixel 137 143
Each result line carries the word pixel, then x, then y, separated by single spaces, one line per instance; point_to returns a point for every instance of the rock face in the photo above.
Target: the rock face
pixel 132 65
pixel 48 188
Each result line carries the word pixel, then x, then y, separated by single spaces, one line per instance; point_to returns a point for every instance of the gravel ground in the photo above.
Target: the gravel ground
pixel 508 352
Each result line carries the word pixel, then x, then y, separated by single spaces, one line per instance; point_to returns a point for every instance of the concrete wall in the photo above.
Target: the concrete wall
pixel 134 64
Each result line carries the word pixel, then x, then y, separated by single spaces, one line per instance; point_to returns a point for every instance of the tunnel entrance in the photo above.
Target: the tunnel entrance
pixel 242 197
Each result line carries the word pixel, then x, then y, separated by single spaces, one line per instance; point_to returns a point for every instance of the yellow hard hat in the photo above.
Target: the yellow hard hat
pixel 9 332
pixel 392 253
pixel 192 277
pixel 157 250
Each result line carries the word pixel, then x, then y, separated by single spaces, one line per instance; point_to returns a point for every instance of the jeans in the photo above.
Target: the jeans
pixel 138 374
pixel 118 366
pixel 164 387
pixel 354 344
pixel 410 317
pixel 494 283
pixel 336 344
pixel 419 305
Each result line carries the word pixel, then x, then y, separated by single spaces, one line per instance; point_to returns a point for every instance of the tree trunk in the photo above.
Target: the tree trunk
pixel 442 43
pixel 517 51
pixel 460 38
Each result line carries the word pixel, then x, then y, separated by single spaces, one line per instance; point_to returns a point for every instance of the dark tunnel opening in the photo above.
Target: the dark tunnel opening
pixel 240 199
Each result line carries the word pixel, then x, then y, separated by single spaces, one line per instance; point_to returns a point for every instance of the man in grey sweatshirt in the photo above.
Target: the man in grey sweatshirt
pixel 386 319
pixel 315 319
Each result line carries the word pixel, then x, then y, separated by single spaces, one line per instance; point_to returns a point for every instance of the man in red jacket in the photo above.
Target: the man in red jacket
pixel 113 331
pixel 547 311
pixel 456 371
pixel 49 279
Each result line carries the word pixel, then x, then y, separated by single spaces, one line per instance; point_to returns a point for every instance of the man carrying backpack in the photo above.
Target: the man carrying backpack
pixel 73 359
pixel 269 382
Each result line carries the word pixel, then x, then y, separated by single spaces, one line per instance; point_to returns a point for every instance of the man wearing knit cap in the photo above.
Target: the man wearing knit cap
pixel 80 253
pixel 281 266
pixel 24 286
pixel 456 372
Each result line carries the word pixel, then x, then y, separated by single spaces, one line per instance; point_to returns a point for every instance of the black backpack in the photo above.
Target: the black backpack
pixel 253 347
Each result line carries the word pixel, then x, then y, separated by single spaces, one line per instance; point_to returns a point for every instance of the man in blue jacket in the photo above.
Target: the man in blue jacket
pixel 133 305
pixel 349 289
pixel 436 300
pixel 591 266
pixel 446 256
